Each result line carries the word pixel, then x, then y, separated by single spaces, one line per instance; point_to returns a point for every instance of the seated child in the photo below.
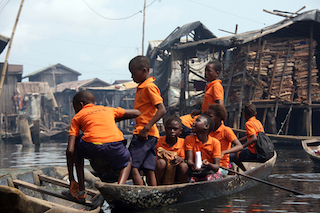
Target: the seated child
pixel 253 127
pixel 224 134
pixel 208 147
pixel 170 164
pixel 101 139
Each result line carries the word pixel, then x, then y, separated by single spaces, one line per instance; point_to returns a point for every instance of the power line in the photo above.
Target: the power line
pixel 226 12
pixel 116 19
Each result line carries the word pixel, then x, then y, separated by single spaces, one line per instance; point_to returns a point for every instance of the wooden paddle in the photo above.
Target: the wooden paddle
pixel 263 181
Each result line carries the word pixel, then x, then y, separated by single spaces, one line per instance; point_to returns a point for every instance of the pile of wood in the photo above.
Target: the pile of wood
pixel 275 68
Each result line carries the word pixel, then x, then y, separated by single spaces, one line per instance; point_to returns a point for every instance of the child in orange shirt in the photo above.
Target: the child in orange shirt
pixel 208 146
pixel 172 143
pixel 224 134
pixel 101 139
pixel 253 127
pixel 214 91
pixel 145 135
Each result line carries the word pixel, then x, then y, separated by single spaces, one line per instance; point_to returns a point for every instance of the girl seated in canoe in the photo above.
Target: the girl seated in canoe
pixel 253 127
pixel 170 165
pixel 224 134
pixel 203 151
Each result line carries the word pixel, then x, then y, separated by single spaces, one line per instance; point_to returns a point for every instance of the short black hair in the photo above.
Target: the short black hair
pixel 84 96
pixel 173 118
pixel 210 122
pixel 250 110
pixel 219 110
pixel 217 66
pixel 140 62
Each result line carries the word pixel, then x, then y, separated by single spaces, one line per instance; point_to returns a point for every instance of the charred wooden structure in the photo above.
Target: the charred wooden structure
pixel 276 68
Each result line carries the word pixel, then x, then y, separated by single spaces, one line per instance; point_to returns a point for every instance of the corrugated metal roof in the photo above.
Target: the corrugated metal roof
pixel 50 67
pixel 15 69
pixel 289 27
pixel 75 85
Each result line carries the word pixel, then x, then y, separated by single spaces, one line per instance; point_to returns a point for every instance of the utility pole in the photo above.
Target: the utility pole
pixel 144 17
pixel 4 69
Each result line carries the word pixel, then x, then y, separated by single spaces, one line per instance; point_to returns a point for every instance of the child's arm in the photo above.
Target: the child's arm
pixel 129 113
pixel 243 139
pixel 70 156
pixel 236 148
pixel 253 138
pixel 189 158
pixel 143 135
pixel 212 166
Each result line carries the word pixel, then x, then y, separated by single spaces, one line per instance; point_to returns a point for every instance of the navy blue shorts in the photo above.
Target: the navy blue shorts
pixel 245 155
pixel 115 152
pixel 143 153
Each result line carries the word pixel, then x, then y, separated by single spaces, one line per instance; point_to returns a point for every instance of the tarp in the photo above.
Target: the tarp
pixel 198 30
pixel 296 26
pixel 3 42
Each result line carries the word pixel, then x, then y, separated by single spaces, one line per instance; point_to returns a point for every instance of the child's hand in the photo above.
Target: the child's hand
pixel 222 154
pixel 177 160
pixel 143 135
pixel 205 163
pixel 237 154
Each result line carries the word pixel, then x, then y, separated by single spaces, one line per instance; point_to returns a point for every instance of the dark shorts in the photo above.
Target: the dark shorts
pixel 245 155
pixel 143 153
pixel 115 152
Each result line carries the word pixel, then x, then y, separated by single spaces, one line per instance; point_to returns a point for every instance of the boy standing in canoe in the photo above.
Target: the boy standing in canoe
pixel 101 139
pixel 214 90
pixel 145 135
pixel 170 166
pixel 207 149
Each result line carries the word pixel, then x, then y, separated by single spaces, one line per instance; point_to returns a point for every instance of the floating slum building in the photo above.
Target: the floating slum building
pixel 276 68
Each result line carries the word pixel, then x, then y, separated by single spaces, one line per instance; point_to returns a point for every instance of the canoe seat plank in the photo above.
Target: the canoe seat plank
pixel 48 191
pixel 62 183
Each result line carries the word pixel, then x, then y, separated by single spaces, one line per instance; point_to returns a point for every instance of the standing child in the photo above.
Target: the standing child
pixel 145 135
pixel 253 127
pixel 171 146
pixel 224 134
pixel 208 147
pixel 101 139
pixel 214 91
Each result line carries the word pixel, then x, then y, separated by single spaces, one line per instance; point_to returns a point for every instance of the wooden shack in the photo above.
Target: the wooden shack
pixel 54 75
pixel 276 68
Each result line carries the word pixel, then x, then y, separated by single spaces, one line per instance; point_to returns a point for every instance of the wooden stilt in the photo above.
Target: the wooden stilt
pixel 25 132
pixel 309 130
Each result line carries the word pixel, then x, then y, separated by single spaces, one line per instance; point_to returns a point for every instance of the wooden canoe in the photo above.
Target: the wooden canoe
pixel 40 191
pixel 309 146
pixel 141 197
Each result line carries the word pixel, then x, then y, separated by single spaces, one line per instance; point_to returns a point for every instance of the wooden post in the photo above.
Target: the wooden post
pixel 270 87
pixel 254 66
pixel 309 124
pixel 182 88
pixel 4 69
pixel 25 132
pixel 281 81
pixel 36 132
pixel 242 86
pixel 229 83
pixel 144 18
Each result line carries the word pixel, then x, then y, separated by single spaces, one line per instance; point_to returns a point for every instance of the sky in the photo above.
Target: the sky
pixel 98 38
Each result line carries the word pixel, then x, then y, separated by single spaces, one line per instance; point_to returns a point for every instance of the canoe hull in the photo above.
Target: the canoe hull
pixel 141 197
pixel 309 146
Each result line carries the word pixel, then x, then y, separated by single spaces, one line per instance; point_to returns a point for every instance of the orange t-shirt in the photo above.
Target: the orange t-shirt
pixel 225 135
pixel 178 147
pixel 211 149
pixel 188 120
pixel 97 123
pixel 251 128
pixel 214 91
pixel 147 96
